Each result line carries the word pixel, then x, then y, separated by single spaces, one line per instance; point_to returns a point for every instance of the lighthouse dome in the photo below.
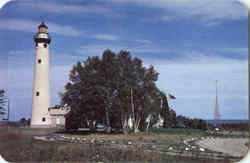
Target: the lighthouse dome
pixel 42 28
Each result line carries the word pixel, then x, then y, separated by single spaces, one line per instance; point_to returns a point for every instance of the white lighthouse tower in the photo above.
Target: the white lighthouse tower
pixel 41 85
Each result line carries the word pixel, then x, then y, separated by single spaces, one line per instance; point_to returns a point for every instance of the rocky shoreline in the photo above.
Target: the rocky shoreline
pixel 204 147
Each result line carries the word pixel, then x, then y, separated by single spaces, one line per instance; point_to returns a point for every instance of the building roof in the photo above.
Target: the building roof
pixel 59 110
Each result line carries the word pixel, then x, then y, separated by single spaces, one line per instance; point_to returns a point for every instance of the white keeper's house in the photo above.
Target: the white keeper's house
pixel 57 115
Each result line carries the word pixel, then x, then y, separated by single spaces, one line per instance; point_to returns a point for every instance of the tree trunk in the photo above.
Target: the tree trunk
pixel 136 120
pixel 124 123
pixel 91 126
pixel 132 106
pixel 108 128
pixel 136 129
pixel 148 123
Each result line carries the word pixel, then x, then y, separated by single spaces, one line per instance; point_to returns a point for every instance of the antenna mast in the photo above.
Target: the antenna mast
pixel 216 110
pixel 8 109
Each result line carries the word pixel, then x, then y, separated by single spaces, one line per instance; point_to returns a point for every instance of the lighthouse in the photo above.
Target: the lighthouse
pixel 40 116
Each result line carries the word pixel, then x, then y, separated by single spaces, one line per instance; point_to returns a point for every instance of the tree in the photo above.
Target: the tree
pixel 2 101
pixel 111 89
pixel 172 118
pixel 165 110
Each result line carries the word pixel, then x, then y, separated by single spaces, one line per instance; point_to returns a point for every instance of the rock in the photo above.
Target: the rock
pixel 154 141
pixel 136 130
pixel 202 149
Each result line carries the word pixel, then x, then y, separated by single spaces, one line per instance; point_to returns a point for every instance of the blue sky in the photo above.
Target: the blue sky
pixel 191 43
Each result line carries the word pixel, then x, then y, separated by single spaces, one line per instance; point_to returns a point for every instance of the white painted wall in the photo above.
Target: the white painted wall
pixel 41 84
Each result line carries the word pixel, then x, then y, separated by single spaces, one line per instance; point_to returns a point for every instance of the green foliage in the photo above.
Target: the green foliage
pixel 104 89
pixel 99 89
pixel 191 123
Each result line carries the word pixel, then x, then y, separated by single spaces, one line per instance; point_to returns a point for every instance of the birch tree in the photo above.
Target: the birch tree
pixel 111 88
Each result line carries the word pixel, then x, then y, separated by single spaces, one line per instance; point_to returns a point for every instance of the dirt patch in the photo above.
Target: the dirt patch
pixel 232 146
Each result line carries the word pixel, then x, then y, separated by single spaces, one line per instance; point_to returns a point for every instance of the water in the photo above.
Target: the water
pixel 228 121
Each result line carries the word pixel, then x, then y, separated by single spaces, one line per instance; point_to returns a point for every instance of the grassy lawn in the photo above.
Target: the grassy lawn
pixel 167 136
pixel 17 145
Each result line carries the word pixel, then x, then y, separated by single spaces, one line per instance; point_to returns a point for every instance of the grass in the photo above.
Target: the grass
pixel 140 138
pixel 17 145
pixel 179 131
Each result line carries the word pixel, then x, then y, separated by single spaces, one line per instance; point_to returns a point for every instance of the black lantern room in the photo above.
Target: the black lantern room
pixel 42 35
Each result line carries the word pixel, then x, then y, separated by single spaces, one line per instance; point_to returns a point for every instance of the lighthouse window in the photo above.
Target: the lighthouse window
pixel 39 61
pixel 37 93
pixel 43 119
pixel 45 45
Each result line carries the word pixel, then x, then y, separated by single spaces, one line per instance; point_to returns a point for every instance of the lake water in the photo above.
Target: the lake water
pixel 226 121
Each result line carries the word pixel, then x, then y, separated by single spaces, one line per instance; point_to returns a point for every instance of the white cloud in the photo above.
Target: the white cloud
pixel 64 30
pixel 207 9
pixel 191 79
pixel 59 77
pixel 194 73
pixel 143 41
pixel 238 51
pixel 58 74
pixel 212 23
pixel 144 47
pixel 63 8
pixel 195 78
pixel 31 26
pixel 107 37
pixel 97 50
pixel 193 83
pixel 167 18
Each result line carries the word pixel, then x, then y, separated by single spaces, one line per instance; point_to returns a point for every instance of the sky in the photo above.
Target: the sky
pixel 191 43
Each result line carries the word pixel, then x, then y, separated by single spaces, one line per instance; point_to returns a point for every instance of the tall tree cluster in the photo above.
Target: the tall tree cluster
pixel 110 90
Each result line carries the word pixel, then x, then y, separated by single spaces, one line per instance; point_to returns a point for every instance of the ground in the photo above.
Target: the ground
pixel 177 145
pixel 233 146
